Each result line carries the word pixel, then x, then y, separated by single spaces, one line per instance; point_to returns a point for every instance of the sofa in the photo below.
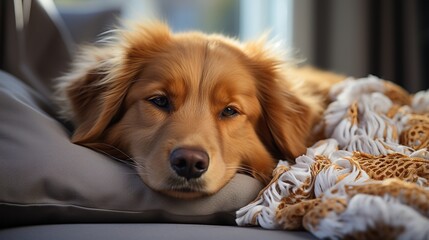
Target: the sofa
pixel 53 189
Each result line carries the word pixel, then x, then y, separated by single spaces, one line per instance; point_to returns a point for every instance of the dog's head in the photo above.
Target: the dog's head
pixel 190 109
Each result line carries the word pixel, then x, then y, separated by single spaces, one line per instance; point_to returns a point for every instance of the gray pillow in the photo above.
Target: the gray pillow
pixel 46 179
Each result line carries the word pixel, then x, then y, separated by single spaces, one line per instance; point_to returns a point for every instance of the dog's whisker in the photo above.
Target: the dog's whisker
pixel 138 160
pixel 119 150
pixel 129 160
pixel 247 170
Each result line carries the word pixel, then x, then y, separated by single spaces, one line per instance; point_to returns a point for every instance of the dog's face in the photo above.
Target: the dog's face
pixel 187 115
pixel 190 109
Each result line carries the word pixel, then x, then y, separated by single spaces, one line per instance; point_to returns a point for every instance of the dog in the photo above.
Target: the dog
pixel 190 110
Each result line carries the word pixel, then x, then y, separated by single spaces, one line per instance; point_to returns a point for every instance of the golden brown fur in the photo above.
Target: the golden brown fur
pixel 110 93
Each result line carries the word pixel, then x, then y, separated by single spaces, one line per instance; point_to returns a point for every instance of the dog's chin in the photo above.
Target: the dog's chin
pixel 184 194
pixel 186 189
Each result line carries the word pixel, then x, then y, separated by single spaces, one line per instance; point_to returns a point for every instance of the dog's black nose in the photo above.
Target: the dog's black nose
pixel 189 163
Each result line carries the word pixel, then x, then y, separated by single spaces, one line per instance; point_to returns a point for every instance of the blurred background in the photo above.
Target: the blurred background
pixel 386 38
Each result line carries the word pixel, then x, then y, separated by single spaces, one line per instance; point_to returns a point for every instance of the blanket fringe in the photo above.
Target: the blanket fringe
pixel 370 176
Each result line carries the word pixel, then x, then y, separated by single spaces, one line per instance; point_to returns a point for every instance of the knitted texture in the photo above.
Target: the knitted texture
pixel 368 179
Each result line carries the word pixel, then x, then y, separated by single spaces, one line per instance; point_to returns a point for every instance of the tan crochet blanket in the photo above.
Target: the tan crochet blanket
pixel 368 179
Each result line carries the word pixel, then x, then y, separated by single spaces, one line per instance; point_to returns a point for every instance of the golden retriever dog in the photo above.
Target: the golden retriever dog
pixel 191 109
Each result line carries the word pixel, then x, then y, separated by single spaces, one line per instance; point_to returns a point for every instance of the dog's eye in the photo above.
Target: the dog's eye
pixel 161 102
pixel 229 112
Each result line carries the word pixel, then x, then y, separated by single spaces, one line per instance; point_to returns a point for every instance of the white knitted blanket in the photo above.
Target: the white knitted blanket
pixel 368 179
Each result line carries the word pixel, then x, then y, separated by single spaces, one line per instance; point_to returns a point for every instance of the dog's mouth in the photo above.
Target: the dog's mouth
pixel 183 188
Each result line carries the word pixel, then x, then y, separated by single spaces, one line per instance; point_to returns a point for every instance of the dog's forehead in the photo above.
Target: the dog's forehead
pixel 198 68
pixel 221 65
pixel 200 61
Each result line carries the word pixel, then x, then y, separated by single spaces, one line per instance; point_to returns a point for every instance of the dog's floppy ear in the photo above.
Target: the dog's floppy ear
pixel 91 95
pixel 92 92
pixel 287 112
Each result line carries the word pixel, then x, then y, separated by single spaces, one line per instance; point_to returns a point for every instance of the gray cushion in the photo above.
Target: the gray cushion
pixel 46 179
